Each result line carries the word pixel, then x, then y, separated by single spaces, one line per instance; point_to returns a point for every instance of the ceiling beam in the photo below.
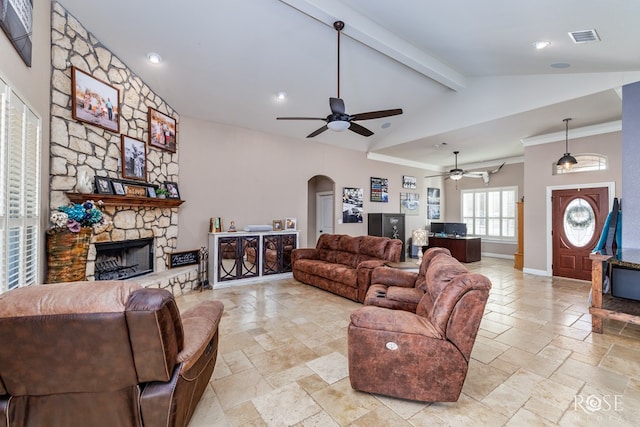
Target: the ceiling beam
pixel 378 38
pixel 583 132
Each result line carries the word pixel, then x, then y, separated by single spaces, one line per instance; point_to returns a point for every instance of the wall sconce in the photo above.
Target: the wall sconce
pixel 567 161
pixel 419 239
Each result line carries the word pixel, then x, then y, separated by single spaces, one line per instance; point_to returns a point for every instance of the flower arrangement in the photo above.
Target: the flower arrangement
pixel 75 216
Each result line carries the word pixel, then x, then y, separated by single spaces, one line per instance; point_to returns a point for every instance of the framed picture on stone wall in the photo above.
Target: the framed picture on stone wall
pixel 94 101
pixel 163 131
pixel 134 158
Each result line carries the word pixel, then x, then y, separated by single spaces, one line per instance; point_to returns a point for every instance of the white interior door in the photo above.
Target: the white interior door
pixel 324 213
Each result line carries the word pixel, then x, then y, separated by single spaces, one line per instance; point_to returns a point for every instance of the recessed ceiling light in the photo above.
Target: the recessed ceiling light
pixel 541 44
pixel 281 96
pixel 560 65
pixel 154 58
pixel 385 125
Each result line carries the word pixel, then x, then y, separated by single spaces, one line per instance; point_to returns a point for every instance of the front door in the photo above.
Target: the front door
pixel 578 216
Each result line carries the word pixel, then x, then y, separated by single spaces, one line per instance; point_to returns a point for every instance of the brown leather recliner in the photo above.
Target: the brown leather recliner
pixel 424 355
pixel 104 353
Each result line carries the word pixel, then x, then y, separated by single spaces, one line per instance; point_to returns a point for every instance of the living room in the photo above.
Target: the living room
pixel 254 177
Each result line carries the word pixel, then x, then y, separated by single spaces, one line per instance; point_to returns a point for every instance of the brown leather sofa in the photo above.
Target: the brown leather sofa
pixel 401 289
pixel 105 353
pixel 422 355
pixel 343 264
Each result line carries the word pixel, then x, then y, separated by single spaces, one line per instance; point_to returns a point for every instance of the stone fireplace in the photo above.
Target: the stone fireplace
pixel 123 260
pixel 85 149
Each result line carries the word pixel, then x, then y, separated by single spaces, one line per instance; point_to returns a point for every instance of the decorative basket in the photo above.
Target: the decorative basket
pixel 67 255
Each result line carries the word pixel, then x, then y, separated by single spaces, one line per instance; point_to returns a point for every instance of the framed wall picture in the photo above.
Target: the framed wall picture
pixel 352 204
pixel 103 185
pixel 16 19
pixel 433 203
pixel 290 224
pixel 277 224
pixel 172 188
pixel 134 158
pixel 379 190
pixel 163 131
pixel 409 182
pixel 410 203
pixel 151 192
pixel 94 101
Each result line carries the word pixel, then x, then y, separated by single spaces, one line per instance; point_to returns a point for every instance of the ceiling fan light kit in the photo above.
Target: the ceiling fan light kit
pixel 338 125
pixel 567 161
pixel 339 120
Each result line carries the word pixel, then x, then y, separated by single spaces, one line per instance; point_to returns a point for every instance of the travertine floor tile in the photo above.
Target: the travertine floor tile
pixel 535 357
pixel 285 406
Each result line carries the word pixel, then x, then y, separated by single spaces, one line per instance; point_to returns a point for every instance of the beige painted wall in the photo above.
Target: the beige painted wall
pixel 32 84
pixel 254 178
pixel 538 160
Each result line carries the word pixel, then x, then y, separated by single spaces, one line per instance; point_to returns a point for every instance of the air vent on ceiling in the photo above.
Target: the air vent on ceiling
pixel 584 36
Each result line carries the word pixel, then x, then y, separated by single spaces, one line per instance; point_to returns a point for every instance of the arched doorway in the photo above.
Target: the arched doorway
pixel 320 207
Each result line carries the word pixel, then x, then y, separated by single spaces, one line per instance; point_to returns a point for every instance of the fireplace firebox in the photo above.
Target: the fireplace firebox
pixel 123 260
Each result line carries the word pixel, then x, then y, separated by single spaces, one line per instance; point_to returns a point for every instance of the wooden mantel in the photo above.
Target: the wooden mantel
pixel 116 200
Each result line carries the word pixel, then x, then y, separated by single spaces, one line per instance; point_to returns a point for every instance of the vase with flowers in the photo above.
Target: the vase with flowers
pixel 69 238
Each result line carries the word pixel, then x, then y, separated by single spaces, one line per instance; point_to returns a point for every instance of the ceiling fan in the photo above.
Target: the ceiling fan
pixel 457 174
pixel 339 120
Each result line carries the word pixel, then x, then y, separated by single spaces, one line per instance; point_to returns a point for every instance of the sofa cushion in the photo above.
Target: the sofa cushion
pixel 373 247
pixel 334 272
pixel 429 255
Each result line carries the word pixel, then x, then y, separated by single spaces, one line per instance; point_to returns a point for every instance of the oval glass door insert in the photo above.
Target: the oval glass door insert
pixel 579 222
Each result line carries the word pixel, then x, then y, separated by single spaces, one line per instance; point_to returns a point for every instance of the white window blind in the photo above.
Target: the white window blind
pixel 490 213
pixel 20 130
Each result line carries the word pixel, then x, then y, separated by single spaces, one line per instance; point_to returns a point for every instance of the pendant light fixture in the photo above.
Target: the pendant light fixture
pixel 567 161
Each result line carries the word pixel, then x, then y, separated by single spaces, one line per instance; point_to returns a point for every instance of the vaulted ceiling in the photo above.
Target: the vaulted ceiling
pixel 466 73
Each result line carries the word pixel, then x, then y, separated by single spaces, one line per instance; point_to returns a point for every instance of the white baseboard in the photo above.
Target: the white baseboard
pixel 503 256
pixel 536 272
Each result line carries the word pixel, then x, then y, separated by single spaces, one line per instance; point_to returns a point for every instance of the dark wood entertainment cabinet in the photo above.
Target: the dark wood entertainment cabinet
pixel 464 249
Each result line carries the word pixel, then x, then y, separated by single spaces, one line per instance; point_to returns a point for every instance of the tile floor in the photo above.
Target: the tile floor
pixel 282 361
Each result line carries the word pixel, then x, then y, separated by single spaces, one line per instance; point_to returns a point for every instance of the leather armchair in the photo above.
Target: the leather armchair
pixel 424 355
pixel 104 353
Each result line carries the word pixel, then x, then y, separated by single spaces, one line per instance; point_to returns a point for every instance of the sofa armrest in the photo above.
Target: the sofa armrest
pixel 394 277
pixel 303 253
pixel 364 271
pixel 200 324
pixel 389 320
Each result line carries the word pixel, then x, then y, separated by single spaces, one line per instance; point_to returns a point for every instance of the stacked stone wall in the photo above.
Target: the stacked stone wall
pixel 81 149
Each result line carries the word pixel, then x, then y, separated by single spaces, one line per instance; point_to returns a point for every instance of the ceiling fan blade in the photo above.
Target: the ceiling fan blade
pixel 301 118
pixel 376 114
pixel 317 132
pixel 337 105
pixel 435 176
pixel 360 129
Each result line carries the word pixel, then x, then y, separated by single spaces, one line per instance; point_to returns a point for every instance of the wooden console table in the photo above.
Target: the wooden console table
pixel 607 306
pixel 464 249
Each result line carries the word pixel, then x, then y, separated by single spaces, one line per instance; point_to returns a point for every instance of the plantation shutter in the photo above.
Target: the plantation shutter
pixel 20 184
